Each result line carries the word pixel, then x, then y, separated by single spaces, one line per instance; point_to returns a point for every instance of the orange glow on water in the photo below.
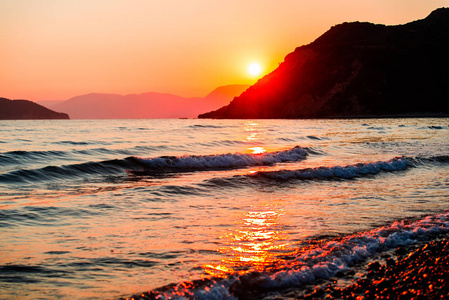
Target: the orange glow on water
pixel 252 172
pixel 252 131
pixel 257 150
pixel 257 245
pixel 251 125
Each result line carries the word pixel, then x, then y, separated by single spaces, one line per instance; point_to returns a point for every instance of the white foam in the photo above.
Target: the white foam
pixel 326 261
pixel 222 160
pixel 346 172
pixel 337 256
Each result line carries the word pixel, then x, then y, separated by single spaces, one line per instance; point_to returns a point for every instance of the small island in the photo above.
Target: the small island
pixel 356 70
pixel 27 110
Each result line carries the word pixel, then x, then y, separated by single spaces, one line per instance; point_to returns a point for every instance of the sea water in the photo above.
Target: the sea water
pixel 103 209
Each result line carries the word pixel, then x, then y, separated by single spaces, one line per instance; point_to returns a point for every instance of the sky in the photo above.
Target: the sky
pixel 57 49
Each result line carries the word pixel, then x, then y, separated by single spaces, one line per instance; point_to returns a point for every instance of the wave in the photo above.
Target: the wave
pixel 134 165
pixel 109 167
pixel 16 156
pixel 72 143
pixel 25 158
pixel 236 160
pixel 349 172
pixel 312 137
pixel 436 127
pixel 339 172
pixel 163 165
pixel 207 126
pixel 439 159
pixel 313 264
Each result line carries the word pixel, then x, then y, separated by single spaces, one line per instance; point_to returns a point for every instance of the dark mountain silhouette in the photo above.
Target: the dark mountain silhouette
pixel 356 70
pixel 145 106
pixel 24 109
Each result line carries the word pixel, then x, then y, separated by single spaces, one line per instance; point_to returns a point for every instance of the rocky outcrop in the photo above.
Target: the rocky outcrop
pixel 356 70
pixel 26 110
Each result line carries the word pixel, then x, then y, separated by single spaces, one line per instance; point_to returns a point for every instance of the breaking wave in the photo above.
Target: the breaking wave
pixel 320 262
pixel 138 165
pixel 349 172
pixel 236 160
pixel 339 172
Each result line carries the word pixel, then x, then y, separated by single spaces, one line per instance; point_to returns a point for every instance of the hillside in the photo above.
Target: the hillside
pixel 145 106
pixel 26 110
pixel 356 70
pixel 226 92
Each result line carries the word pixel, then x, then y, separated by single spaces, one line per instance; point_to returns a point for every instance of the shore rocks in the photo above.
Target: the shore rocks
pixel 420 274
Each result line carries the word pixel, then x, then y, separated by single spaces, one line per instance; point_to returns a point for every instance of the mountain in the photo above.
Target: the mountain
pixel 356 70
pixel 145 106
pixel 26 110
pixel 48 103
pixel 226 92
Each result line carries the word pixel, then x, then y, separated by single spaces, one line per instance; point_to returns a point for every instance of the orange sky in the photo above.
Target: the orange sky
pixel 56 49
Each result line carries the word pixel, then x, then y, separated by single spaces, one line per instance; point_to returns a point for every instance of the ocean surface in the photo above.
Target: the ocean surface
pixel 211 209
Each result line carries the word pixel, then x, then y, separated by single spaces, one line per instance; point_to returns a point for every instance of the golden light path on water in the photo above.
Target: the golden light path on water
pixel 259 242
pixel 252 127
pixel 101 233
pixel 257 245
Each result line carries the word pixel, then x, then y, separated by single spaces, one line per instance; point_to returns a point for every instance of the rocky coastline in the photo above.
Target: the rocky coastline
pixel 356 69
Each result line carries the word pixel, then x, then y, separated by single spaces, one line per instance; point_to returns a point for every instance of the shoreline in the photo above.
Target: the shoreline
pixel 348 117
pixel 418 271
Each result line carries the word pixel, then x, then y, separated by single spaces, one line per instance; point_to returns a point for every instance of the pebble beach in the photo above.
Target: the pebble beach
pixel 414 272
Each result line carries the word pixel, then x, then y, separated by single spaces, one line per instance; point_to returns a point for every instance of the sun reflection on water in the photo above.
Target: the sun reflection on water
pixel 257 150
pixel 252 134
pixel 258 245
pixel 252 128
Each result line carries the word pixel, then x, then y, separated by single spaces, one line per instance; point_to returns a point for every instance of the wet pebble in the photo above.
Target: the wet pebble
pixel 420 274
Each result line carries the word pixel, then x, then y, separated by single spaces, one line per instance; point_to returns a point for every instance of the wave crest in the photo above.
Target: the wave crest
pixel 338 172
pixel 236 160
pixel 314 264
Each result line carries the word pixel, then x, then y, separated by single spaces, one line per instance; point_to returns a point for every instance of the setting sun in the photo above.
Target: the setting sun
pixel 224 149
pixel 254 69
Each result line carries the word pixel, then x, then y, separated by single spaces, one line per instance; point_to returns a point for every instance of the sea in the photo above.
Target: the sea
pixel 211 209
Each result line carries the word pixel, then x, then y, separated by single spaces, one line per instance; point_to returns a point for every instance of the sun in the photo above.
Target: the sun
pixel 254 69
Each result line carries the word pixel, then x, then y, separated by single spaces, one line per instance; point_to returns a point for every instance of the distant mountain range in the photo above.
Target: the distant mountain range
pixel 357 70
pixel 144 106
pixel 26 110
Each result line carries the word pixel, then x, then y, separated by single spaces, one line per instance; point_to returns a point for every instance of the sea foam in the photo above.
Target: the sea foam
pixel 341 172
pixel 235 160
pixel 321 262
